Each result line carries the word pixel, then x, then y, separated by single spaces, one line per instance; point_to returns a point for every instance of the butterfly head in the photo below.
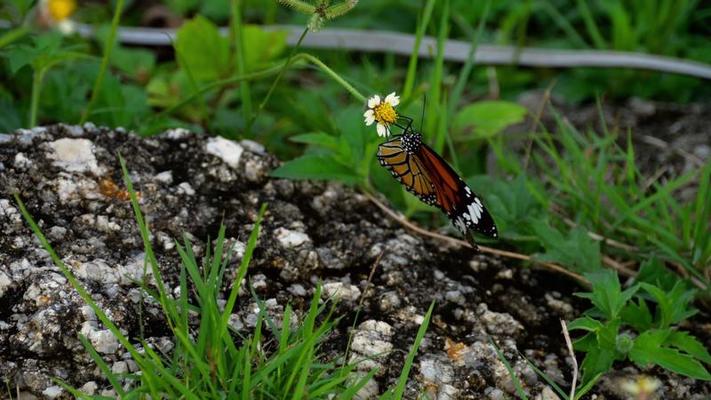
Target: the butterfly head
pixel 411 141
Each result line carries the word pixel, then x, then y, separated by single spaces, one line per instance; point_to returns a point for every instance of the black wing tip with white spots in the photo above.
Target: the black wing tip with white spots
pixel 471 215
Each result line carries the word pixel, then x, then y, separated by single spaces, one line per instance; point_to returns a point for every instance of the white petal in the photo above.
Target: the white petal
pixel 373 101
pixel 382 130
pixel 66 26
pixel 392 99
pixel 369 117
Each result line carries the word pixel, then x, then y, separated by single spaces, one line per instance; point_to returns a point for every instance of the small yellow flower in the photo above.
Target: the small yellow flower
pixel 382 112
pixel 56 13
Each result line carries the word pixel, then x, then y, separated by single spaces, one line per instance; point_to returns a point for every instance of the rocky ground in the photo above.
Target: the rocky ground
pixel 69 177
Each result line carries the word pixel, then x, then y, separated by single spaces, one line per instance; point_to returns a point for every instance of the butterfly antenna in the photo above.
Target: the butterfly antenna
pixel 424 106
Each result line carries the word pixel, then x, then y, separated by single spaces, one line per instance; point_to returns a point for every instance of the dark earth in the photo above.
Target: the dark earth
pixel 312 232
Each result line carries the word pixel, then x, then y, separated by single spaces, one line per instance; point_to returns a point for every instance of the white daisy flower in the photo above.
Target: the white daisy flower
pixel 382 112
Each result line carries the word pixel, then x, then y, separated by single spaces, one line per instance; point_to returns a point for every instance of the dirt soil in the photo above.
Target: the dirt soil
pixel 312 232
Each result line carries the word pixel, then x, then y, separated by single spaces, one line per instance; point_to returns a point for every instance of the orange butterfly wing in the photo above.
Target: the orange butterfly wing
pixel 424 173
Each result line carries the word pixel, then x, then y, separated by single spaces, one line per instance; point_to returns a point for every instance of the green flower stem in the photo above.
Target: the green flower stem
pixel 358 95
pixel 37 77
pixel 104 61
pixel 278 78
pixel 263 74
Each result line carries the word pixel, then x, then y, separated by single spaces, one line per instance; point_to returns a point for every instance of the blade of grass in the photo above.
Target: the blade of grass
pixel 516 381
pixel 399 389
pixel 415 55
pixel 237 35
pixel 108 48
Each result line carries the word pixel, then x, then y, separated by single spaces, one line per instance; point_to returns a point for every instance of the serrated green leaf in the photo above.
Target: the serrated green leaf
pixel 316 167
pixel 607 335
pixel 607 295
pixel 596 363
pixel 487 118
pixel 648 349
pixel 637 315
pixel 575 250
pixel 585 324
pixel 203 51
pixel 689 344
pixel 515 209
pixel 673 305
pixel 654 272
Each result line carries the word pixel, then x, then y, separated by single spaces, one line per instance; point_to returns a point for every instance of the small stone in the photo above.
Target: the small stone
pixel 389 301
pixel 547 394
pixel 288 238
pixel 5 283
pixel 499 323
pixel 119 367
pixel 370 390
pixel 103 340
pixel 89 388
pixel 74 155
pixel 185 188
pixel 228 151
pixel 253 146
pixel 438 374
pixel 53 392
pixel 22 162
pixel 373 339
pixel 297 289
pixel 165 177
pixel 340 291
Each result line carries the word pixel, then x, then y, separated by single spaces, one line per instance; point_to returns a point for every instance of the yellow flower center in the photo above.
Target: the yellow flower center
pixel 385 113
pixel 61 9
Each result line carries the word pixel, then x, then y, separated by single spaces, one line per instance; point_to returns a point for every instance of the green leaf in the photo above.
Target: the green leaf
pixel 607 295
pixel 203 51
pixel 689 344
pixel 261 46
pixel 487 118
pixel 577 251
pixel 607 335
pixel 648 349
pixel 10 117
pixel 318 139
pixel 673 305
pixel 585 324
pixel 515 209
pixel 654 272
pixel 316 167
pixel 596 363
pixel 637 315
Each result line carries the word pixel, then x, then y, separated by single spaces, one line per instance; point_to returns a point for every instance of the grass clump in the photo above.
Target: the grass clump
pixel 211 360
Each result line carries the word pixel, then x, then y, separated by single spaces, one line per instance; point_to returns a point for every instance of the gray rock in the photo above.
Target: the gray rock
pixel 340 291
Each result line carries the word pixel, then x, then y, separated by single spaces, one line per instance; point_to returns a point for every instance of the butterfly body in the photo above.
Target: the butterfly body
pixel 427 175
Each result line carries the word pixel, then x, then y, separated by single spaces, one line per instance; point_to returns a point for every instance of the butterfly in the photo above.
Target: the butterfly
pixel 426 174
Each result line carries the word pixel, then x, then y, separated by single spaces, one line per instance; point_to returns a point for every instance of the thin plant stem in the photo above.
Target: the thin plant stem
pixel 37 77
pixel 108 47
pixel 414 56
pixel 264 73
pixel 278 78
pixel 569 344
pixel 484 249
pixel 238 42
pixel 353 91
